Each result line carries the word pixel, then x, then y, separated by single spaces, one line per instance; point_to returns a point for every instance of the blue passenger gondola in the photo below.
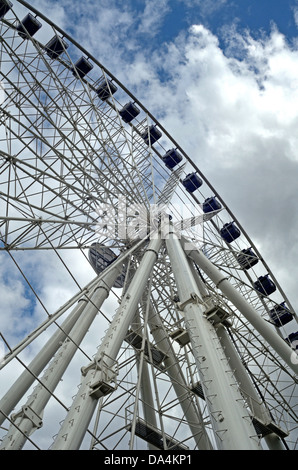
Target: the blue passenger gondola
pixel 211 204
pixel 5 6
pixel 247 259
pixel 106 89
pixel 28 26
pixel 192 182
pixel 151 135
pixel 82 67
pixel 280 315
pixel 265 285
pixel 101 257
pixel 129 112
pixel 172 158
pixel 230 232
pixel 292 339
pixel 55 47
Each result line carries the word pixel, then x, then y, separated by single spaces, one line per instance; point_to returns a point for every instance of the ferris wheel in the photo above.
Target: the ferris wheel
pixel 143 316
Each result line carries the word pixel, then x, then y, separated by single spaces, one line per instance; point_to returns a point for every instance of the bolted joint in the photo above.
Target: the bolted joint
pixel 104 372
pixel 194 299
pixel 218 315
pixel 28 412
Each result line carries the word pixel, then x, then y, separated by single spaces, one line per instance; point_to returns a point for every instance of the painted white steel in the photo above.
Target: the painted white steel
pixel 23 425
pixel 254 400
pixel 263 327
pixel 230 419
pixel 77 420
pixel 26 379
pixel 191 413
pixel 255 403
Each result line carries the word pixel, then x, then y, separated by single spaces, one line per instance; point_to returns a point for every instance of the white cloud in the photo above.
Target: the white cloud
pixel 233 111
pixel 237 118
pixel 14 298
pixel 295 14
pixel 153 15
pixel 207 7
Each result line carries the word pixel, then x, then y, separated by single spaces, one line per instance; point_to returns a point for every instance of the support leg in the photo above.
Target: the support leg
pixel 26 379
pixel 230 419
pixel 29 418
pixel 221 281
pixel 145 384
pixel 191 413
pixel 102 370
pixel 254 401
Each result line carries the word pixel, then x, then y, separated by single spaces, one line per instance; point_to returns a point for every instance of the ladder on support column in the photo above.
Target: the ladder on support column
pixel 263 429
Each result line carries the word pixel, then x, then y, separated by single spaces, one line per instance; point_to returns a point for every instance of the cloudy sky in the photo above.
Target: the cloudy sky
pixel 222 77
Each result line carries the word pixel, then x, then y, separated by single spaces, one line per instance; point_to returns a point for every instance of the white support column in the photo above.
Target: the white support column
pixel 274 442
pixel 26 379
pixel 263 327
pixel 145 382
pixel 102 371
pixel 173 369
pixel 230 419
pixel 29 418
pixel 255 403
pixel 147 400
